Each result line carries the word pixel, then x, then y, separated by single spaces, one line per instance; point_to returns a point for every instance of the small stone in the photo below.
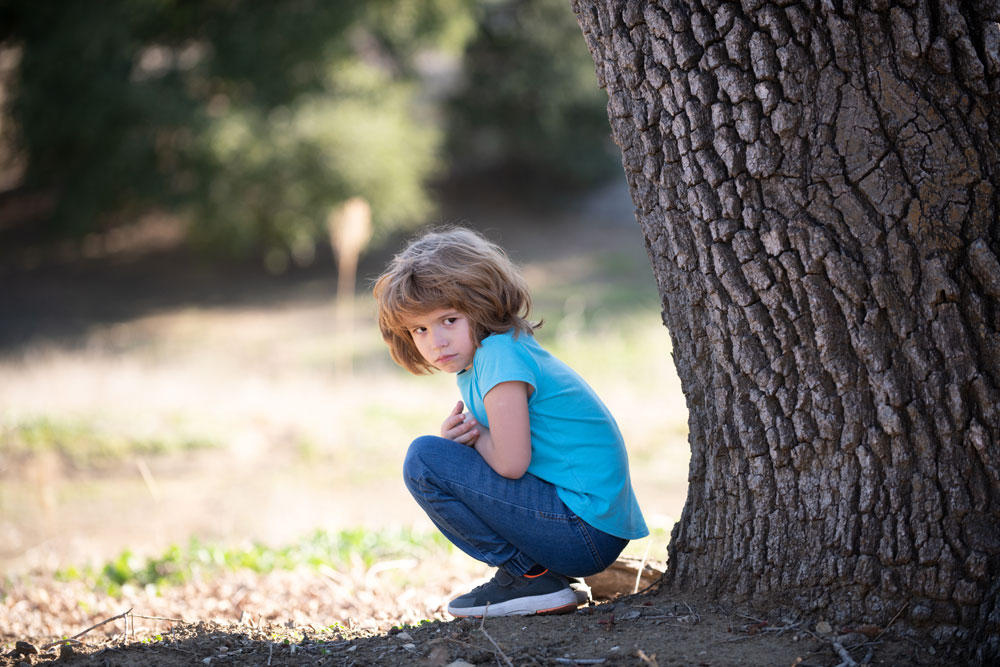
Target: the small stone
pixel 410 647
pixel 24 648
pixel 404 637
pixel 824 628
pixel 459 663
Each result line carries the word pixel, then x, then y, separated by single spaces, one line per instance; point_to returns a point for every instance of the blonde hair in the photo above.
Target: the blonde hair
pixel 450 268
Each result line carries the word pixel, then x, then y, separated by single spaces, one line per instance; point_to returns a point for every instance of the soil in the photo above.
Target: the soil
pixel 287 618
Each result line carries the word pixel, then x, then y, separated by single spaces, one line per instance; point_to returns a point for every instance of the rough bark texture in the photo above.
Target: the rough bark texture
pixel 818 183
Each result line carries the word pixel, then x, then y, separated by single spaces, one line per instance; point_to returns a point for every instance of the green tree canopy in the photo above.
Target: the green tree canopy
pixel 252 118
pixel 528 105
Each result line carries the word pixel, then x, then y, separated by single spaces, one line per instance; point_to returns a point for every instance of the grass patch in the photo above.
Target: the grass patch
pixel 86 443
pixel 178 565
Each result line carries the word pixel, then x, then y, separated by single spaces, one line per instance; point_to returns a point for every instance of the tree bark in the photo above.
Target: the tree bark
pixel 818 184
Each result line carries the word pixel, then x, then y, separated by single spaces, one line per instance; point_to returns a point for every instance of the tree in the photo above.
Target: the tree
pixel 251 119
pixel 818 184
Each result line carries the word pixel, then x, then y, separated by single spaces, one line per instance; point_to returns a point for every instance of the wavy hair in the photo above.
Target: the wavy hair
pixel 455 268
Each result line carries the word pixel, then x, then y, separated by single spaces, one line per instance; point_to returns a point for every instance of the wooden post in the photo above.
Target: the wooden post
pixel 350 228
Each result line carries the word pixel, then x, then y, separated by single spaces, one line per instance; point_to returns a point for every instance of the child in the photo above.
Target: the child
pixel 534 478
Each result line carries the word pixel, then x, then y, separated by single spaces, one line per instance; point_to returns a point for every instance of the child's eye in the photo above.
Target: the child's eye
pixel 419 330
pixel 450 320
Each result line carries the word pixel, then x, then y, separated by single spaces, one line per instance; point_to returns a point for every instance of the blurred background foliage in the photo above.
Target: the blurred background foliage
pixel 249 121
pixel 529 109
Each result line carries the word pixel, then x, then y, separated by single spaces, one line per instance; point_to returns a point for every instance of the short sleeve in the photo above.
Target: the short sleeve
pixel 503 359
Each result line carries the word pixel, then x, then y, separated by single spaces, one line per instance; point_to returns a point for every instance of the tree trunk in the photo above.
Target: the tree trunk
pixel 818 184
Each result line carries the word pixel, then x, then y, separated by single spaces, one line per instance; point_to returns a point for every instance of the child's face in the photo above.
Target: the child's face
pixel 444 339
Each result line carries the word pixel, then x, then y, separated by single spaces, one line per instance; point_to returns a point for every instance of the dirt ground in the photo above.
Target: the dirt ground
pixel 285 619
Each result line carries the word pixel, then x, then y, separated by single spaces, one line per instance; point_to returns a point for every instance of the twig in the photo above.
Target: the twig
pixel 270 650
pixel 779 628
pixel 497 646
pixel 482 628
pixel 891 621
pixel 651 585
pixel 690 616
pixel 648 659
pixel 456 641
pixel 642 566
pixel 159 618
pixel 842 652
pixel 147 477
pixel 752 618
pixel 581 661
pixel 123 615
pixel 674 625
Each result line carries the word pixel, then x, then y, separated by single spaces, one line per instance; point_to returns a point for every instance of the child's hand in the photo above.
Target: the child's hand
pixel 460 427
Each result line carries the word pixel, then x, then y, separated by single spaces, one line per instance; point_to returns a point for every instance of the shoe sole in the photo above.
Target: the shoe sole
pixel 560 602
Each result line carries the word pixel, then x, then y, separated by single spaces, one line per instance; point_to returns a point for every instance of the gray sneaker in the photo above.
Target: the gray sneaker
pixel 507 595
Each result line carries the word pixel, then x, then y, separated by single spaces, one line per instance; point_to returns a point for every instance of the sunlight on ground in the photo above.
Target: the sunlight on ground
pixel 275 422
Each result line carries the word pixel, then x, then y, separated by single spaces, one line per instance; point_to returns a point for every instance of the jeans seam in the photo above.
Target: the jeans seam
pixel 594 553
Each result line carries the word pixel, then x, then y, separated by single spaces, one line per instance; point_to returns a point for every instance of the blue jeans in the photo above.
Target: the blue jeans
pixel 509 523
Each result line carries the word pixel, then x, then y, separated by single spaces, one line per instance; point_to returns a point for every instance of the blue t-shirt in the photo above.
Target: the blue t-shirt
pixel 575 442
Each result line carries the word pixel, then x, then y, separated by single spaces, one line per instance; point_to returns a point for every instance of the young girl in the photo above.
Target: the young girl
pixel 533 478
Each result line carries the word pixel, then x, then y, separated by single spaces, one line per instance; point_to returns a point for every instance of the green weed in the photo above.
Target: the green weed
pixel 177 565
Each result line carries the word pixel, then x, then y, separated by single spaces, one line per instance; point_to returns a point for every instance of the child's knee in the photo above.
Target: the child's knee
pixel 418 456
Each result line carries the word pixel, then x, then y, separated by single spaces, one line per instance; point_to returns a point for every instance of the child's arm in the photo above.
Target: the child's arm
pixel 506 445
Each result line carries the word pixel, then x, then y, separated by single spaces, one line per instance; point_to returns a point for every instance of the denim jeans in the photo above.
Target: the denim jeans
pixel 508 523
